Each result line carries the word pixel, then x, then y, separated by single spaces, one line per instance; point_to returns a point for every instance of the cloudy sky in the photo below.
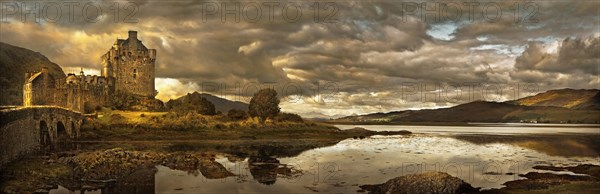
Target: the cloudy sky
pixel 336 58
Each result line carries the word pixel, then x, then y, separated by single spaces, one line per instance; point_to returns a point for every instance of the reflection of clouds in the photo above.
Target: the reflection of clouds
pixel 372 160
pixel 382 158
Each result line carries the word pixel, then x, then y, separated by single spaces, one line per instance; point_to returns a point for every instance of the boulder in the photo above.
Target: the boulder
pixel 430 182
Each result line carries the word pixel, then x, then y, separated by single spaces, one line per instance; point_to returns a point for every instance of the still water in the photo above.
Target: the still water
pixel 476 154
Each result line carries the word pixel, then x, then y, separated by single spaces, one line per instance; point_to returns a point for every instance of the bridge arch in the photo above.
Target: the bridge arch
pixel 72 128
pixel 61 132
pixel 44 131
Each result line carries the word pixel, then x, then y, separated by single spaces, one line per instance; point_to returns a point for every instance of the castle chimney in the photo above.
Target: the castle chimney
pixel 132 35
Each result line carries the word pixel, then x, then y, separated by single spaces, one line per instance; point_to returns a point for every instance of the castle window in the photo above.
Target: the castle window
pixel 134 73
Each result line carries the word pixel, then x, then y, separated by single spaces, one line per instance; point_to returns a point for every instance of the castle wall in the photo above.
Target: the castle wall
pixel 89 91
pixel 135 74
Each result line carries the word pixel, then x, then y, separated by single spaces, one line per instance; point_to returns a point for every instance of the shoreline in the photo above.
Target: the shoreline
pixel 469 124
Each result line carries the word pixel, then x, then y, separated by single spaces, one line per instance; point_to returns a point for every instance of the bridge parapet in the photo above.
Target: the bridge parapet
pixel 11 114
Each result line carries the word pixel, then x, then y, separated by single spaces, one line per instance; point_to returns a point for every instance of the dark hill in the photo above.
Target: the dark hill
pixel 221 104
pixel 555 106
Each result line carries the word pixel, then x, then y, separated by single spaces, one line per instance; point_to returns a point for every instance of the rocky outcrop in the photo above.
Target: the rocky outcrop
pixel 585 181
pixel 362 132
pixel 117 162
pixel 430 182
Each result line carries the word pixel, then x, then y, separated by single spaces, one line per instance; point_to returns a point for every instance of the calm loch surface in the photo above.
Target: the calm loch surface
pixel 484 156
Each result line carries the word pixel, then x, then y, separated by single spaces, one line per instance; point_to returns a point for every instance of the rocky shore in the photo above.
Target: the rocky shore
pixel 98 169
pixel 430 182
pixel 585 181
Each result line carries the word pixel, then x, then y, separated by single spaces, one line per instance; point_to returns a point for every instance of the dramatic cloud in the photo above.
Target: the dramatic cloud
pixel 574 63
pixel 349 57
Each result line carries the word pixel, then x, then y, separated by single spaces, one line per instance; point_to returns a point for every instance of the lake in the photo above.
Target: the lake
pixel 483 155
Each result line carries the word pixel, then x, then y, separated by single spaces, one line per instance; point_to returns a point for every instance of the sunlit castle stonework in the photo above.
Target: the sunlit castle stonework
pixel 132 66
pixel 128 67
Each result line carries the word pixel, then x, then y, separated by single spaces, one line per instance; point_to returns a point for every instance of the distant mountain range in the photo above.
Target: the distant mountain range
pixel 15 62
pixel 554 106
pixel 221 104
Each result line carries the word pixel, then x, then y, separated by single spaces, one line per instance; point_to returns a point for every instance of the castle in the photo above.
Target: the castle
pixel 127 68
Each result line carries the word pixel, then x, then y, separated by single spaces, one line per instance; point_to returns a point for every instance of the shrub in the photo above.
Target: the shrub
pixel 236 115
pixel 289 117
pixel 117 119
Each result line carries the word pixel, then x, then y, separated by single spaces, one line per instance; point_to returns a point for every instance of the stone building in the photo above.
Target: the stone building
pixel 132 65
pixel 38 86
pixel 128 67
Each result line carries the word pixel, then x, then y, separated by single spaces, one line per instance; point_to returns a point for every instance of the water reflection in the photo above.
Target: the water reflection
pixel 142 181
pixel 572 145
pixel 340 168
pixel 482 160
pixel 265 169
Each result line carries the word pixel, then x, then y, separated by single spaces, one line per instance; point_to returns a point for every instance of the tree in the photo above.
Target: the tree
pixel 264 104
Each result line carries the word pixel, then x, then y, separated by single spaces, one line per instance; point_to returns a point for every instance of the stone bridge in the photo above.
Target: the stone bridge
pixel 24 130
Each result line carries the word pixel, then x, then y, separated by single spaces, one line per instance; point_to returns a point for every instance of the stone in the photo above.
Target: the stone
pixel 41 191
pixel 430 182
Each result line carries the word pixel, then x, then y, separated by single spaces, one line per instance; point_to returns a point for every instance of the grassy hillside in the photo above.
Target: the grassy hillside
pixel 15 62
pixel 566 98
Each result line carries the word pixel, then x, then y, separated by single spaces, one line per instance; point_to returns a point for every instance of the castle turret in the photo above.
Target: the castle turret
pixel 132 35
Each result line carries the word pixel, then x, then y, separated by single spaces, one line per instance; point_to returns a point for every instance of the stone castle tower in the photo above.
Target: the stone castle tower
pixel 132 66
